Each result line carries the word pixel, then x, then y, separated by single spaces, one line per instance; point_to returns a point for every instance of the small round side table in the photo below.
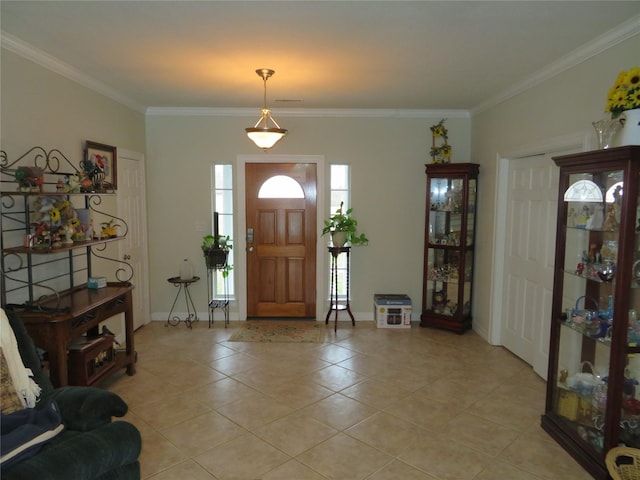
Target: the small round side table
pixel 192 314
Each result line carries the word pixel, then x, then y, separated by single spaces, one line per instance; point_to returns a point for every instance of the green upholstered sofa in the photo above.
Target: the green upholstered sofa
pixel 91 445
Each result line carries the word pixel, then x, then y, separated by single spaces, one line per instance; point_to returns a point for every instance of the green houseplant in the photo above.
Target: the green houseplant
pixel 216 252
pixel 342 221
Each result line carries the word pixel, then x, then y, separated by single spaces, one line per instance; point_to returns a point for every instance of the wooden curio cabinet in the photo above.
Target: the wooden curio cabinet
pixel 449 243
pixel 593 397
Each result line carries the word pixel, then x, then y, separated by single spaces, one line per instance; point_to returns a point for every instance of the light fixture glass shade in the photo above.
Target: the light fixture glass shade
pixel 265 138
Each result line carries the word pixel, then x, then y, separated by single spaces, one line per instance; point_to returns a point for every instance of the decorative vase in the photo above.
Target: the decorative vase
pixel 605 131
pixel 186 270
pixel 338 239
pixel 630 133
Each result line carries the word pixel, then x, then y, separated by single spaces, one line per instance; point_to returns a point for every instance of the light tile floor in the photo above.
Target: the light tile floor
pixel 368 403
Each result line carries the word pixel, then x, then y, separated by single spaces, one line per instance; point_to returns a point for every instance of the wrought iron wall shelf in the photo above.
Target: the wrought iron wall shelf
pixel 32 272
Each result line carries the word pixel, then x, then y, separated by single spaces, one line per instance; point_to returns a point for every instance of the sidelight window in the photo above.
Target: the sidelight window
pixel 339 190
pixel 222 202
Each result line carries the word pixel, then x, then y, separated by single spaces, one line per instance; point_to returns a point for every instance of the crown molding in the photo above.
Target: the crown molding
pixel 306 112
pixel 547 146
pixel 17 46
pixel 622 32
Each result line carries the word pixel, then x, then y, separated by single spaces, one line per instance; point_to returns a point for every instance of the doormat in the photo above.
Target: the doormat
pixel 279 331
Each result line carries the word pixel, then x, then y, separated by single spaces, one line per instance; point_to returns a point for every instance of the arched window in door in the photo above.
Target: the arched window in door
pixel 280 186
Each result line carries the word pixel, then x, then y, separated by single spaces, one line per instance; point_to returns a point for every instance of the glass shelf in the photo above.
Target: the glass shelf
pixel 590 330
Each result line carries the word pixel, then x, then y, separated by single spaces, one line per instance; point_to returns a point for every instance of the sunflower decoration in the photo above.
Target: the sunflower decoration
pixel 440 153
pixel 54 214
pixel 445 152
pixel 109 229
pixel 439 130
pixel 67 211
pixel 78 229
pixel 75 225
pixel 625 93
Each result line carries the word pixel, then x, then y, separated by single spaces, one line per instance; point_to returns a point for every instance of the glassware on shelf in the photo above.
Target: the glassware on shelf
pixel 605 130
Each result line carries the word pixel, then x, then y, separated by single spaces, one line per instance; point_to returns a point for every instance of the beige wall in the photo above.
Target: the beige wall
pixel 561 106
pixel 42 108
pixel 387 157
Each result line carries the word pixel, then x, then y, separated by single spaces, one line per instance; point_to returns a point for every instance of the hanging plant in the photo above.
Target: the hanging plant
pixel 216 253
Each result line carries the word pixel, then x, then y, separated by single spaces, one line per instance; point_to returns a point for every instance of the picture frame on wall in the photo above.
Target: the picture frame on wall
pixel 100 165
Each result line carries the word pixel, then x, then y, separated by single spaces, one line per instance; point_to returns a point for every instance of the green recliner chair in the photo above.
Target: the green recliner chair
pixel 91 445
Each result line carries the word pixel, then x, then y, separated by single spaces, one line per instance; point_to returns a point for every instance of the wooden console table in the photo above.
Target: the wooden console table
pixel 80 310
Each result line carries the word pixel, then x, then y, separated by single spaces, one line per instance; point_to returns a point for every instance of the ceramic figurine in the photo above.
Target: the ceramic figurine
pixel 595 221
pixel 610 223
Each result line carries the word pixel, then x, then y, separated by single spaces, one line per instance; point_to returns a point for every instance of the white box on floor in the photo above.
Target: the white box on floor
pixel 392 310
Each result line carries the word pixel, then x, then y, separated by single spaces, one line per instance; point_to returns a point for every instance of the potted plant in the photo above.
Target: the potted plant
pixel 343 228
pixel 216 251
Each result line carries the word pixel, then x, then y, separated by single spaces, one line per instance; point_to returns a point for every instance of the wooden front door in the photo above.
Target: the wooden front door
pixel 281 239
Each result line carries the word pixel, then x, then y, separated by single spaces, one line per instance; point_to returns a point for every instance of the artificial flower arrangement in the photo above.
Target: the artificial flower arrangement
pixel 442 153
pixel 29 178
pixel 625 93
pixel 109 229
pixel 78 230
pixel 53 219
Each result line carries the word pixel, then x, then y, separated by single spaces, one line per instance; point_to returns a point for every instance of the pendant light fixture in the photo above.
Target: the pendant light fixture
pixel 263 136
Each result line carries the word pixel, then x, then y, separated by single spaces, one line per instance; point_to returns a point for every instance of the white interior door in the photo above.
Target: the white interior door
pixel 529 254
pixel 133 209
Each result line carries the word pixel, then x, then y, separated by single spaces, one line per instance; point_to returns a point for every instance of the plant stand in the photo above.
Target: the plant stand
pixel 214 301
pixel 192 314
pixel 334 305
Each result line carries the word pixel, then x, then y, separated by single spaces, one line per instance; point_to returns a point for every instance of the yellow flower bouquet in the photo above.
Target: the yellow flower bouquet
pixel 440 153
pixel 625 93
pixel 438 130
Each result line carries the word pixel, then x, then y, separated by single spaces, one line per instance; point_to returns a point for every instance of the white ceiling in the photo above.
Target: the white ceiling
pixel 427 55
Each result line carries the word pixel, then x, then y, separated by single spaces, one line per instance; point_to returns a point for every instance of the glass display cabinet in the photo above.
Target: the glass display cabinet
pixel 593 393
pixel 449 243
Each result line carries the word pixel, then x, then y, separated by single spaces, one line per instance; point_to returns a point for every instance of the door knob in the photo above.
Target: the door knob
pixel 249 249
